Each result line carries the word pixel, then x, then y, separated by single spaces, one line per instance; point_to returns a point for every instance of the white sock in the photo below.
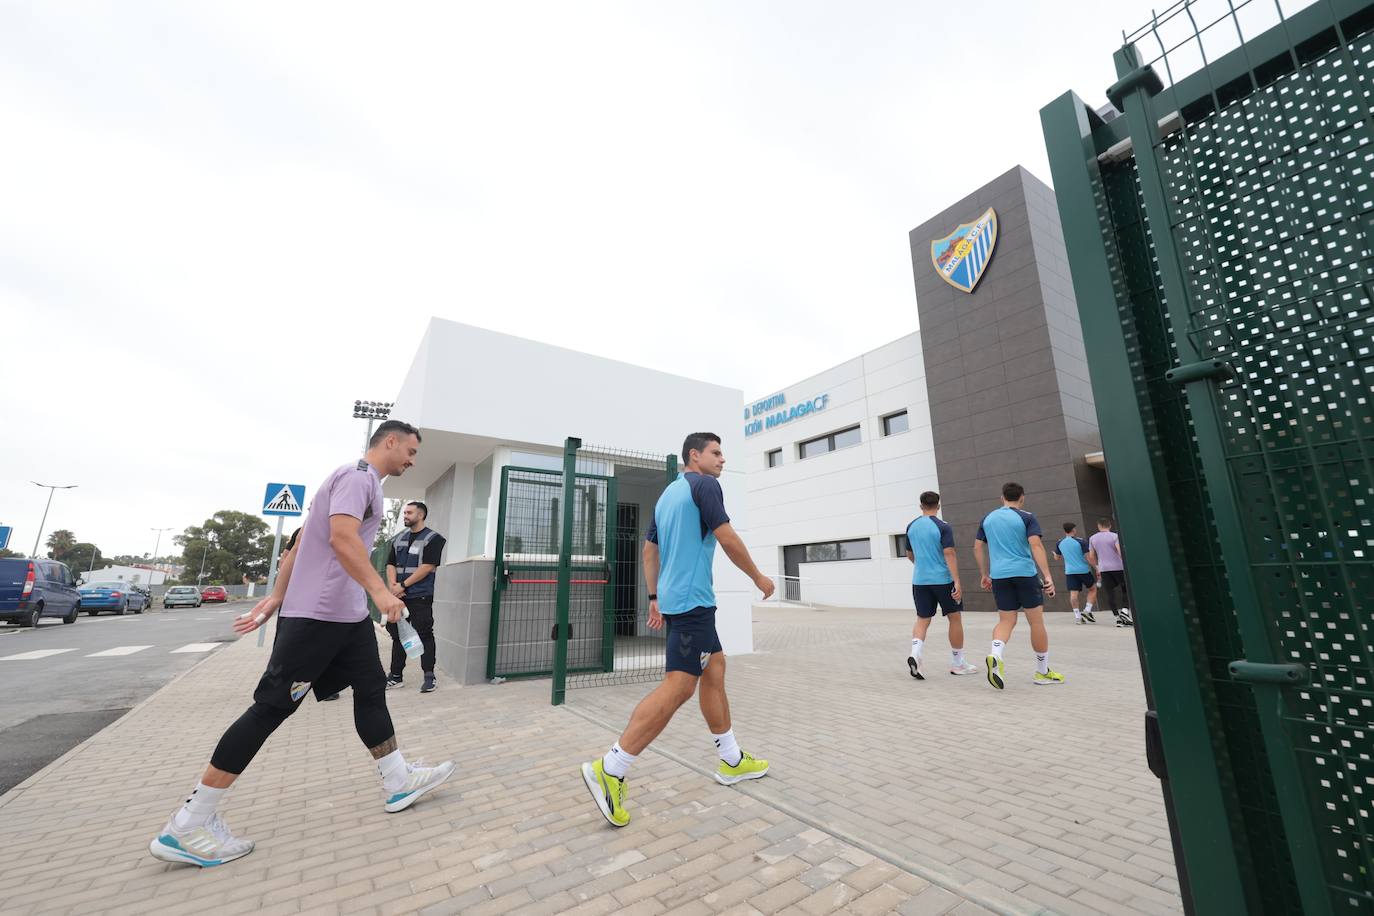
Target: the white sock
pixel 1088 608
pixel 956 657
pixel 617 761
pixel 728 748
pixel 199 808
pixel 916 647
pixel 393 770
pixel 997 647
pixel 1042 662
pixel 1077 614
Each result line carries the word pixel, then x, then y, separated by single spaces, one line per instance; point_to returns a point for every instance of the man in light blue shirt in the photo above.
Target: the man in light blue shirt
pixel 1078 572
pixel 679 549
pixel 935 583
pixel 1009 554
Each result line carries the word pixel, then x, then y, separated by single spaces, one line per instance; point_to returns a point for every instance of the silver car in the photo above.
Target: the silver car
pixel 181 596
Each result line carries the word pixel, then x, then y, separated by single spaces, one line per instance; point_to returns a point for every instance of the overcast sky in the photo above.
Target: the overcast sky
pixel 221 224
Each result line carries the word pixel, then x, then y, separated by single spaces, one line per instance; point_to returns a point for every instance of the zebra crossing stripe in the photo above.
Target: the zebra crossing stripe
pixel 36 653
pixel 118 650
pixel 196 647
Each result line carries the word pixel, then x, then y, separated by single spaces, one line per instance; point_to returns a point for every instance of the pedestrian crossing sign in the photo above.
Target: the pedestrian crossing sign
pixel 284 499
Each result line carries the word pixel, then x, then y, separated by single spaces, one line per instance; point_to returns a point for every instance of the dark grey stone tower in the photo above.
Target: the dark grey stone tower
pixel 1008 383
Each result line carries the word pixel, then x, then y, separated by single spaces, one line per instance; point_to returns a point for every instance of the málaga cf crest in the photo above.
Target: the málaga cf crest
pixel 961 257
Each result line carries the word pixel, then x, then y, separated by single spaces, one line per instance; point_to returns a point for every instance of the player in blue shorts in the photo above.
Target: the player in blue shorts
pixel 679 549
pixel 1078 572
pixel 1009 554
pixel 935 583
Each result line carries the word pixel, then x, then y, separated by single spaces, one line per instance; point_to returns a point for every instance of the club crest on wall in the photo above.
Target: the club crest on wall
pixel 961 257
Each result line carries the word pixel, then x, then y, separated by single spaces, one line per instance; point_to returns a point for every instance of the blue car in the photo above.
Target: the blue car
pixel 33 589
pixel 119 597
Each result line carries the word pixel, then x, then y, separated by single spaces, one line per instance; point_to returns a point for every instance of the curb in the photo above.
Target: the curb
pixel 18 790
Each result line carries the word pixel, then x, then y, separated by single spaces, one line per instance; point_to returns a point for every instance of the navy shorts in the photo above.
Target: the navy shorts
pixel 1079 582
pixel 928 596
pixel 1018 592
pixel 692 640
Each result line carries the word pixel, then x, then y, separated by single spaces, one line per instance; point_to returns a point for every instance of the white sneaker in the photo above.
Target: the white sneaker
pixel 963 668
pixel 418 781
pixel 208 845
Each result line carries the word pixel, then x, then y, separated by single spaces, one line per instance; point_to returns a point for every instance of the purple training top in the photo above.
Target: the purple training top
pixel 1108 556
pixel 319 587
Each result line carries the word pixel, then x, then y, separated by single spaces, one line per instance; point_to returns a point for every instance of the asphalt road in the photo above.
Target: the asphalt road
pixel 60 695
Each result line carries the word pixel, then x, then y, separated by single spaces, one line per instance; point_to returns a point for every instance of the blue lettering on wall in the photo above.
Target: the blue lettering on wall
pixel 775 417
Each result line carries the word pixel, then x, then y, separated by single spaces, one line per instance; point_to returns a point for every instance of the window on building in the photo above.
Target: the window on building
pixel 775 458
pixel 829 442
pixel 900 545
pixel 828 551
pixel 895 423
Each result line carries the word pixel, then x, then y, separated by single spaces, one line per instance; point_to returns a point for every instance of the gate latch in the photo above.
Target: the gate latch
pixel 1262 673
pixel 1218 369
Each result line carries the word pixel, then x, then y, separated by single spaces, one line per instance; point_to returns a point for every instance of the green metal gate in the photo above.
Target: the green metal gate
pixel 1221 239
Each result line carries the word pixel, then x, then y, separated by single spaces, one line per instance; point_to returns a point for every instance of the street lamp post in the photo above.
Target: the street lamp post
pixel 156 544
pixel 50 488
pixel 371 411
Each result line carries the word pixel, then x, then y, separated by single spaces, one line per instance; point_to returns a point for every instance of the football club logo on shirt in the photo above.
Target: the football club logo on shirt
pixel 299 689
pixel 961 257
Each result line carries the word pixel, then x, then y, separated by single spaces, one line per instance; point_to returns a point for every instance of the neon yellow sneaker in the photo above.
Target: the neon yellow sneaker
pixel 749 767
pixel 1049 677
pixel 607 791
pixel 995 672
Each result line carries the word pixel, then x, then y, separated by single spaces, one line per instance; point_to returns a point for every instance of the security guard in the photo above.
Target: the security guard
pixel 416 553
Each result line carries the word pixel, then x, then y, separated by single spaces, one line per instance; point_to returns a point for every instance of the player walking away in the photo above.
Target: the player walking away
pixel 1078 573
pixel 1106 554
pixel 1009 554
pixel 325 641
pixel 679 548
pixel 935 582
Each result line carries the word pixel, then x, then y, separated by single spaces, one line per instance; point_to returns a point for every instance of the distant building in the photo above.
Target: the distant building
pixel 134 575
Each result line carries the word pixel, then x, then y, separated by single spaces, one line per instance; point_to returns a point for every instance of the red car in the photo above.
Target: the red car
pixel 214 593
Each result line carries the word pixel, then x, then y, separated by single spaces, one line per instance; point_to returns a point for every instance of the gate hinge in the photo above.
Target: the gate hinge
pixel 1218 369
pixel 1139 77
pixel 1264 673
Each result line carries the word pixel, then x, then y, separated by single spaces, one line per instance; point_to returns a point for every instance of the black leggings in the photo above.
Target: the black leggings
pixel 316 656
pixel 1113 591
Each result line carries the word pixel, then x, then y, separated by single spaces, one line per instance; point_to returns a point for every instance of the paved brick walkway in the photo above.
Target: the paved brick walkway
pixel 881 800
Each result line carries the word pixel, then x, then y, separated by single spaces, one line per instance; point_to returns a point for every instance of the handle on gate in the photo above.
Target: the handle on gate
pixel 1262 673
pixel 1208 368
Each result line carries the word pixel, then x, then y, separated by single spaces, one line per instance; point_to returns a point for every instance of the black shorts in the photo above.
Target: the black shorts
pixel 692 640
pixel 928 596
pixel 1079 582
pixel 1018 592
pixel 320 656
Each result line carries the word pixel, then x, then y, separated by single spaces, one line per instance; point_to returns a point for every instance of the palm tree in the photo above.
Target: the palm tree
pixel 60 543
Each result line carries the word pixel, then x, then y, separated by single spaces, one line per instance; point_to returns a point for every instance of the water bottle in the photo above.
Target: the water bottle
pixel 410 640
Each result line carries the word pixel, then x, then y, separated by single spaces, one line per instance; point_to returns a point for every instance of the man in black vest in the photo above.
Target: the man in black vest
pixel 415 554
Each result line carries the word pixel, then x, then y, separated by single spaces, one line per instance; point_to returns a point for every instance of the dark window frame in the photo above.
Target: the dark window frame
pixel 768 457
pixel 838 558
pixel 892 416
pixel 829 439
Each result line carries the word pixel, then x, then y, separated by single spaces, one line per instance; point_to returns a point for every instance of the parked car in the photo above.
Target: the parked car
pixel 119 597
pixel 214 593
pixel 145 592
pixel 181 596
pixel 32 589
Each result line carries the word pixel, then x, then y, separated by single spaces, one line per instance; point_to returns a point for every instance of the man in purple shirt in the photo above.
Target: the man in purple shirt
pixel 325 642
pixel 1105 555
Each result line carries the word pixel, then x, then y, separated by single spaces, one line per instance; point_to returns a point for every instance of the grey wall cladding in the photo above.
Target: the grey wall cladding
pixel 1008 380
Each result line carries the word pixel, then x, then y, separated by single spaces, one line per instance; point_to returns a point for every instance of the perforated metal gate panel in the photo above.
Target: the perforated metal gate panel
pixel 1238 249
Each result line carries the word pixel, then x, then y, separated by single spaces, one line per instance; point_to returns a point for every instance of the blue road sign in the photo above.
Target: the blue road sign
pixel 284 499
pixel 5 536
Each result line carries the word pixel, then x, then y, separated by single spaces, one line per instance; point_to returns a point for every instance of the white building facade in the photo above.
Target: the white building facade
pixel 835 464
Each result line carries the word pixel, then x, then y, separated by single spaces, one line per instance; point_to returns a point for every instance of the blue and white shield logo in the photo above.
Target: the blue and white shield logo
pixel 961 257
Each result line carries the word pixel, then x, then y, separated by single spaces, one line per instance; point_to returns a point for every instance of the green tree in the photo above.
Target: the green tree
pixel 59 543
pixel 391 522
pixel 231 545
pixel 5 553
pixel 79 558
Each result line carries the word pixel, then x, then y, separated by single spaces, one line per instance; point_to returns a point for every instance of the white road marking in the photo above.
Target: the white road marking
pixel 197 647
pixel 118 650
pixel 36 653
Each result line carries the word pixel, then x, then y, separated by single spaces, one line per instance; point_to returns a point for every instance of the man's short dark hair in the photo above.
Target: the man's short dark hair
pixel 696 442
pixel 1011 492
pixel 421 506
pixel 930 499
pixel 1070 527
pixel 1104 522
pixel 399 427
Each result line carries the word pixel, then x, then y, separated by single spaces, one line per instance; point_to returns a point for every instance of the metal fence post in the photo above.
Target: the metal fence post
pixel 565 548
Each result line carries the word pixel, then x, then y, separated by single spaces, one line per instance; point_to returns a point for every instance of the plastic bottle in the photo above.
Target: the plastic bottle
pixel 410 640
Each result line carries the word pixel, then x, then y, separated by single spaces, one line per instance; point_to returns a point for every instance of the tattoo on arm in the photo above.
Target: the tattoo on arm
pixel 381 750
